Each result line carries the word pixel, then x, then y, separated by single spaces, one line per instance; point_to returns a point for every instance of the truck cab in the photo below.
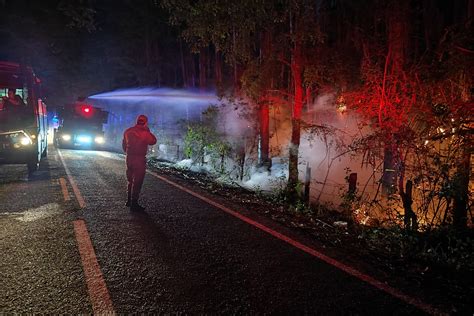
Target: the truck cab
pixel 23 117
pixel 80 126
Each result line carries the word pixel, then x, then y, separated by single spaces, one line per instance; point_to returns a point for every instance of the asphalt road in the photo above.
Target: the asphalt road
pixel 182 255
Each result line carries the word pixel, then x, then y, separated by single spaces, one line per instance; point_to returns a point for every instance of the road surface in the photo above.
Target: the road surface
pixel 69 245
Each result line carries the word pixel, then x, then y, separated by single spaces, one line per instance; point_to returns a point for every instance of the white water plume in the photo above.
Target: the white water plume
pixel 167 110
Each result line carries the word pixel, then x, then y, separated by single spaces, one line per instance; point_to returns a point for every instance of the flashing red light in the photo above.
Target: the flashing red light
pixel 85 110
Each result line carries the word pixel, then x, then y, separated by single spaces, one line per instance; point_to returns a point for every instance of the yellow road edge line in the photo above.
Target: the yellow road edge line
pixel 96 287
pixel 66 195
pixel 74 186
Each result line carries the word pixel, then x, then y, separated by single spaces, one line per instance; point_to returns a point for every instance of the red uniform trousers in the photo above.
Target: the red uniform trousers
pixel 136 166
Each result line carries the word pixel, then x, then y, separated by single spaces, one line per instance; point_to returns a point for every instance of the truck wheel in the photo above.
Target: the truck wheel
pixel 32 166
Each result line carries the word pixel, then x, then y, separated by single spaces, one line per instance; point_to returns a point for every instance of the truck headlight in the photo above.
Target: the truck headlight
pixel 84 139
pixel 66 137
pixel 20 139
pixel 25 141
pixel 99 140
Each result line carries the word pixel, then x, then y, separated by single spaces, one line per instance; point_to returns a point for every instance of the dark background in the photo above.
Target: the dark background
pixel 82 47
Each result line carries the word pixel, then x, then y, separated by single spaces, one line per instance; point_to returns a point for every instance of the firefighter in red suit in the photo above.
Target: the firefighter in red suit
pixel 135 143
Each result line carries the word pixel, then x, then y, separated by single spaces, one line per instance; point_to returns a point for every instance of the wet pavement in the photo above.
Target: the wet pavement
pixel 182 255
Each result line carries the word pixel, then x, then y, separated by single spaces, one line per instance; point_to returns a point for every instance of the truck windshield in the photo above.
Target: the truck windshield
pixel 78 123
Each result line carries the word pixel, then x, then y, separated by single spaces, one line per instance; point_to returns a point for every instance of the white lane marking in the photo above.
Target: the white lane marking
pixel 75 189
pixel 341 266
pixel 109 155
pixel 37 213
pixel 98 293
pixel 66 196
pixel 41 212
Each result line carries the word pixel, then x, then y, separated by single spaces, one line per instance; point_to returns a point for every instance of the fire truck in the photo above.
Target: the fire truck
pixel 80 126
pixel 23 117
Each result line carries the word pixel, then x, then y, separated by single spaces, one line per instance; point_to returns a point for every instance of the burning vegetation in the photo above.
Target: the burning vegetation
pixel 372 120
pixel 358 112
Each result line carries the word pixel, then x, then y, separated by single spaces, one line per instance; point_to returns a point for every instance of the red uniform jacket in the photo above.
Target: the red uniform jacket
pixel 136 140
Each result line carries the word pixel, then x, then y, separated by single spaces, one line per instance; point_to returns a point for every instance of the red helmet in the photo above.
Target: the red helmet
pixel 142 119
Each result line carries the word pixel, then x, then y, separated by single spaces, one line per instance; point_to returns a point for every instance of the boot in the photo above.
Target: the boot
pixel 136 207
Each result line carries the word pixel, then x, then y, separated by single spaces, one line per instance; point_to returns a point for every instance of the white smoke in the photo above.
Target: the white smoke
pixel 328 157
pixel 271 180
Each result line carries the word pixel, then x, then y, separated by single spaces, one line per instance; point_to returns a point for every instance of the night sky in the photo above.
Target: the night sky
pixel 79 48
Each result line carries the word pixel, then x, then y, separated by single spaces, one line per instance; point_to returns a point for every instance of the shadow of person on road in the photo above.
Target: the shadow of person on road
pixel 148 231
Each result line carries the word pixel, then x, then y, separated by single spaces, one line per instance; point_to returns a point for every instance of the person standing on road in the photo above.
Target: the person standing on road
pixel 135 143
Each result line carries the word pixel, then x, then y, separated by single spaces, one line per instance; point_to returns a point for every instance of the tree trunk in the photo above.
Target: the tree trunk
pixel 296 69
pixel 398 35
pixel 202 69
pixel 192 76
pixel 157 66
pixel 461 189
pixel 218 67
pixel 410 219
pixel 183 65
pixel 208 66
pixel 264 111
pixel 147 48
pixel 389 176
pixel 234 62
pixel 264 108
pixel 394 65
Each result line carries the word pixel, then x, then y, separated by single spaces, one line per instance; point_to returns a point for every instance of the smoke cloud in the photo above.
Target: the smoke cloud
pixel 324 143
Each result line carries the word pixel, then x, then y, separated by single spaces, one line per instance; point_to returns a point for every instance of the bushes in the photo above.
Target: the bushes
pixel 444 248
